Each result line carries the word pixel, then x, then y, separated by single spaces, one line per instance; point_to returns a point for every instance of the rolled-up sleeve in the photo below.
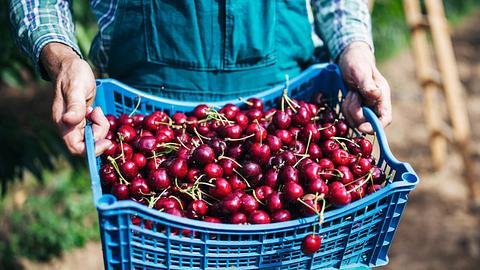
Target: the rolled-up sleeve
pixel 39 22
pixel 341 22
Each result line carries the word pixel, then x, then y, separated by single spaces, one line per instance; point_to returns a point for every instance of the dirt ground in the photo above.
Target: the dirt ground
pixel 438 231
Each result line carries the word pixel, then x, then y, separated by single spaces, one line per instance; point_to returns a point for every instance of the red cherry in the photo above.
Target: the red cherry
pixel 126 133
pixel 361 167
pixel 212 220
pixel 310 129
pixel 238 218
pixel 179 118
pixel 129 169
pixel 284 135
pixel 271 178
pixel 127 150
pixel 288 174
pixel 281 215
pixel 293 191
pixel 197 209
pixel 311 244
pixel 274 143
pixel 203 154
pixel 178 168
pixel 255 103
pixel 167 203
pixel 248 204
pixel 200 112
pixel 274 201
pixel 108 175
pixel 302 117
pixel 120 191
pixel 263 192
pixel 159 180
pixel 346 175
pixel 260 152
pixel 139 160
pixel 237 183
pixel 357 190
pixel 311 172
pixel 112 121
pixel 139 187
pixel 125 119
pixel 222 188
pixel 378 176
pixel 340 157
pixel 318 186
pixel 373 188
pixel 231 204
pixel 315 151
pixel 242 120
pixel 259 217
pixel 338 194
pixel 342 128
pixel 213 170
pixel 281 120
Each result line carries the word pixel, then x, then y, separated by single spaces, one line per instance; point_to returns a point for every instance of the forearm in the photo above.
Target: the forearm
pixel 38 23
pixel 341 23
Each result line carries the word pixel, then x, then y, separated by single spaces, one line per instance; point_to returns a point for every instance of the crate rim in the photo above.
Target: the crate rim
pixel 108 203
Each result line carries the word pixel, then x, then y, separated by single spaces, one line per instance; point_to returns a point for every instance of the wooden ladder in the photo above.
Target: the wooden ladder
pixel 437 81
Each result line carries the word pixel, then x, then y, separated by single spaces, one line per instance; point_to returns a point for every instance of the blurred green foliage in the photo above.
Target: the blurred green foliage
pixel 55 217
pixel 390 30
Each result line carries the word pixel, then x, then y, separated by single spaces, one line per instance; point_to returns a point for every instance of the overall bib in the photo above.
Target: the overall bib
pixel 209 50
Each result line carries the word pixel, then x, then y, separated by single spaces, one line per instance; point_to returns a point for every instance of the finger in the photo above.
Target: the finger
pixel 57 109
pixel 75 104
pixel 345 109
pixel 101 146
pixel 356 113
pixel 384 106
pixel 74 139
pixel 100 125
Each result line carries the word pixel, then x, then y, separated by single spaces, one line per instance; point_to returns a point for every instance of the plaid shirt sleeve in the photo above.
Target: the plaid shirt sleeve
pixel 39 22
pixel 341 22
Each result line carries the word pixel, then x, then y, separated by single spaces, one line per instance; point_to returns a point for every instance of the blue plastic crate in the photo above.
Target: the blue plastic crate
pixel 358 234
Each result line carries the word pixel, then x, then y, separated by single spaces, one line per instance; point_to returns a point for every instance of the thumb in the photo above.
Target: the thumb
pixel 75 106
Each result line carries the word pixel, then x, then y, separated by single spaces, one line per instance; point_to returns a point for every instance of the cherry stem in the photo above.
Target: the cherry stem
pixel 136 107
pixel 368 175
pixel 183 144
pixel 246 101
pixel 241 176
pixel 307 205
pixel 229 158
pixel 200 136
pixel 115 166
pixel 344 139
pixel 240 139
pixel 256 198
pixel 178 200
pixel 121 146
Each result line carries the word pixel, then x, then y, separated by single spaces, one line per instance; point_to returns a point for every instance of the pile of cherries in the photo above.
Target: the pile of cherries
pixel 241 166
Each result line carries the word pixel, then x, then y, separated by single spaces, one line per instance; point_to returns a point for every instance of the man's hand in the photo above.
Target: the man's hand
pixel 366 85
pixel 74 84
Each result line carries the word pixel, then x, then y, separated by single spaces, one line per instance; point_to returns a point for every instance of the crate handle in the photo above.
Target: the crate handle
pixel 92 168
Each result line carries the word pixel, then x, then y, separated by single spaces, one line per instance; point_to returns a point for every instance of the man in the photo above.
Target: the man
pixel 196 50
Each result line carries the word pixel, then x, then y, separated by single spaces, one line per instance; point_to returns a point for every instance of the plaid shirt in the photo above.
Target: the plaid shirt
pixel 38 22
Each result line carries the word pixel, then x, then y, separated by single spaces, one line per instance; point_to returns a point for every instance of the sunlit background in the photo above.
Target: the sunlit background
pixel 48 220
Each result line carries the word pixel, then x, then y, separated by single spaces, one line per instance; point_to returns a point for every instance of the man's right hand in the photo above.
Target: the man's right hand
pixel 74 85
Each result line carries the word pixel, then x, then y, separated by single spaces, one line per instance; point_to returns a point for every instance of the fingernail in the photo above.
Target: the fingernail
pixel 89 109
